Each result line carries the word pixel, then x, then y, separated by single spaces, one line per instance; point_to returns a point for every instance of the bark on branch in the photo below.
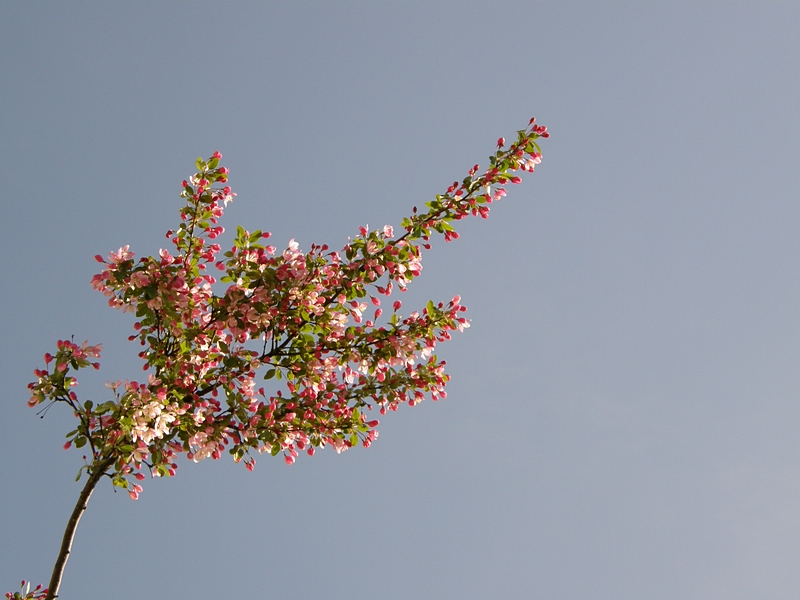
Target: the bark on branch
pixel 69 534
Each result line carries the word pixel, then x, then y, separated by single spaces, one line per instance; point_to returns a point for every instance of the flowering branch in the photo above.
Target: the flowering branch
pixel 314 321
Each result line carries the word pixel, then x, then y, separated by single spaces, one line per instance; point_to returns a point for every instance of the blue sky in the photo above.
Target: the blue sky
pixel 622 420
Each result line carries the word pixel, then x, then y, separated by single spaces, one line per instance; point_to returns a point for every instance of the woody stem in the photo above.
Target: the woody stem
pixel 72 525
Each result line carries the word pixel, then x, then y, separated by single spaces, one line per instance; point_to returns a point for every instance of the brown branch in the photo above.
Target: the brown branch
pixel 72 525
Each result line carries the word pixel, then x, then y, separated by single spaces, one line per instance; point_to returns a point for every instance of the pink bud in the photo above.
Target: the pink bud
pixel 68 445
pixel 501 142
pixel 216 155
pixel 397 304
pixel 99 258
pixel 374 423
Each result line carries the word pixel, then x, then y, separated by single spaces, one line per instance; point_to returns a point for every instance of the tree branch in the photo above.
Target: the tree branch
pixel 72 525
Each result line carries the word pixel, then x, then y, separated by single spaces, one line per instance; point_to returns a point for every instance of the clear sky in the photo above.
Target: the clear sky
pixel 623 417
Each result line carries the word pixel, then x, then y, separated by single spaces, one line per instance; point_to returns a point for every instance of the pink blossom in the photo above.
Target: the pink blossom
pixel 120 255
pixel 299 316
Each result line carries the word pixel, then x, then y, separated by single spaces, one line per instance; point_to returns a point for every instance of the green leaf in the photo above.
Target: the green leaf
pixel 213 163
pixel 199 163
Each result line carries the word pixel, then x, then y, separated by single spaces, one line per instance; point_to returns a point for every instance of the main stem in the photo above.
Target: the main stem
pixel 72 526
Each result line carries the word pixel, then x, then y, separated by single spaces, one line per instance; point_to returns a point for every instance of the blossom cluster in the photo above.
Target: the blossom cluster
pixel 318 328
pixel 26 593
